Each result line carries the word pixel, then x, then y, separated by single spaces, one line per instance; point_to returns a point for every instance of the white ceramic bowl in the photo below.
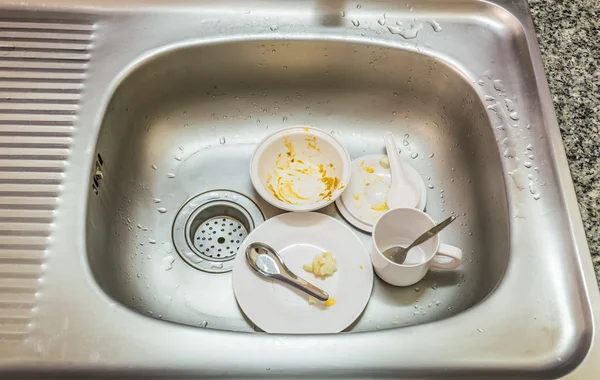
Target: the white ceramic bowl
pixel 300 169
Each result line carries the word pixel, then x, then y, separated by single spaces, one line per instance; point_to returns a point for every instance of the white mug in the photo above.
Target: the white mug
pixel 400 227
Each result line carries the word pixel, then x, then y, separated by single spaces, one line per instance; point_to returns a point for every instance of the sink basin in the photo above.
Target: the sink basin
pixel 126 134
pixel 185 123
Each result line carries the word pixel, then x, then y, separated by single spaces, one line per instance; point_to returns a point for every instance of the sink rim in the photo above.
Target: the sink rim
pixel 577 236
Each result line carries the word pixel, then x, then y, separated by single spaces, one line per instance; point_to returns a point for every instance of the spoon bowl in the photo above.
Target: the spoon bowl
pixel 266 261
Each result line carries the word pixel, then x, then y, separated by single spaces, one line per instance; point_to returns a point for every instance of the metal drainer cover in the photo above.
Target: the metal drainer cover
pixel 220 237
pixel 210 227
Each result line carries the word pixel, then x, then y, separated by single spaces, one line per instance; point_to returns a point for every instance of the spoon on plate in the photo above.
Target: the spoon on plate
pixel 402 193
pixel 398 254
pixel 266 262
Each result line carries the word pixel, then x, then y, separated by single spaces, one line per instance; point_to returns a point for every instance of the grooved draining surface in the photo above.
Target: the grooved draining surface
pixel 42 69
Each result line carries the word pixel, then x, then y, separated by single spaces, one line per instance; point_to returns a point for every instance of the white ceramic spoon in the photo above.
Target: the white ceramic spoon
pixel 402 192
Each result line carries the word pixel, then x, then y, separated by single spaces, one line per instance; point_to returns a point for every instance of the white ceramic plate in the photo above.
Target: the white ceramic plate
pixel 277 308
pixel 357 200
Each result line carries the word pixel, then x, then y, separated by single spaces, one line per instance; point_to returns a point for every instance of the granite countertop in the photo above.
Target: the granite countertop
pixel 568 33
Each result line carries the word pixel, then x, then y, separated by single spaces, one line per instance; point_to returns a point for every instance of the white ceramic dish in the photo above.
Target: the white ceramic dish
pixel 300 169
pixel 277 308
pixel 359 202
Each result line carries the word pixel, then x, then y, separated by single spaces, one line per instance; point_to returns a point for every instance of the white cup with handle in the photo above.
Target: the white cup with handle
pixel 399 228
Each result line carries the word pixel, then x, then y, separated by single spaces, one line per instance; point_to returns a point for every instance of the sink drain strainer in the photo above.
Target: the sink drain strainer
pixel 209 229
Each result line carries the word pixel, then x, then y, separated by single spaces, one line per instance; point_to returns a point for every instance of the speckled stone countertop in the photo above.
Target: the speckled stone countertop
pixel 568 32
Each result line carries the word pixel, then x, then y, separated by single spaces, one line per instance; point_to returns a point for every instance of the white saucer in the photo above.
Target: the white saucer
pixel 277 308
pixel 357 200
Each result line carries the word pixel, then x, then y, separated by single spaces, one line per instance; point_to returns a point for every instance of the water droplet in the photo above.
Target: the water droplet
pixel 167 262
pixel 156 200
pixel 529 147
pixel 222 140
pixel 405 142
pixel 138 276
pixel 430 186
pixel 381 22
pixel 431 155
pixel 178 158
pixel 510 105
pixel 203 324
pixel 162 210
pixel 408 33
pixel 170 175
pixel 527 164
pixel 216 265
pixel 489 98
pixel 274 27
pixel 479 329
pixel 139 226
pixel 435 26
pixel 514 116
pixel 417 289
pixel 406 136
pixel 356 23
pixel 151 241
pixel 414 155
pixel 154 167
pixel 533 189
pixel 498 85
pixel 343 14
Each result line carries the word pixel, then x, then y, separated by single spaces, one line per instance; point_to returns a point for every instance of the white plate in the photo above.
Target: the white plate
pixel 277 308
pixel 356 201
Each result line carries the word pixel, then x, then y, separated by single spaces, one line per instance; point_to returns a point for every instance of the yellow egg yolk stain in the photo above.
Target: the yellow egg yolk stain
pixel 381 207
pixel 292 177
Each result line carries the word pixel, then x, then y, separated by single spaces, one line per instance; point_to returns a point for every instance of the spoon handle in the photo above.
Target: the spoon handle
pixel 432 232
pixel 290 278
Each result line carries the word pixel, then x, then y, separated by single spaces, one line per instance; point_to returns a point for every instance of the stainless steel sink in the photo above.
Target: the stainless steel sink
pixel 126 134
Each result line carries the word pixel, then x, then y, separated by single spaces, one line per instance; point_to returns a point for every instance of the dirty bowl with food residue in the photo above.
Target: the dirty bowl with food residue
pixel 300 169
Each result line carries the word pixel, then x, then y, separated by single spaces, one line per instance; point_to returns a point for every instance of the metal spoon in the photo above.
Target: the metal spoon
pixel 265 261
pixel 398 254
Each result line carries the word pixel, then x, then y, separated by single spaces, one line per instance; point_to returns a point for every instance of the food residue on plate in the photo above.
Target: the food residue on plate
pixel 312 300
pixel 298 180
pixel 384 162
pixel 380 207
pixel 323 265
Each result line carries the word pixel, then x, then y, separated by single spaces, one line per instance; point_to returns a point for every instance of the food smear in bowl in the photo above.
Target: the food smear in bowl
pixel 300 175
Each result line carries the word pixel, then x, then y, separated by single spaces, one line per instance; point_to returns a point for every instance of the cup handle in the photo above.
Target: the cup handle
pixel 447 258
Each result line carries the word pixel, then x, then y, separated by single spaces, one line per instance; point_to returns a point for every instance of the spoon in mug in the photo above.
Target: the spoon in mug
pixel 266 262
pixel 398 254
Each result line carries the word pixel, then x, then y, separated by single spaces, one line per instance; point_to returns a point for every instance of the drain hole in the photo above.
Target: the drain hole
pixel 214 230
